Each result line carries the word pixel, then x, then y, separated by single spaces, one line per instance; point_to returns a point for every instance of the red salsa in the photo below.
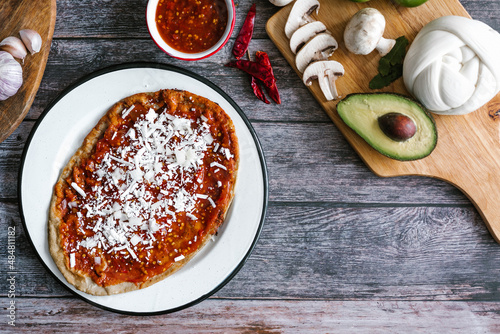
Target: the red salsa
pixel 191 26
pixel 122 227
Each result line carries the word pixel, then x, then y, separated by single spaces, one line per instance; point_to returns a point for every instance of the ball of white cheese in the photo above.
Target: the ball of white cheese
pixel 453 65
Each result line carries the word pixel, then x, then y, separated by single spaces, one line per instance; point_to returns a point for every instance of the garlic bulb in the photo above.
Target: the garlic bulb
pixel 452 66
pixel 14 46
pixel 11 75
pixel 31 39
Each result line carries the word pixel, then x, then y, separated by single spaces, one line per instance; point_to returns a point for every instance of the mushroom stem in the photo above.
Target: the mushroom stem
pixel 331 79
pixel 327 85
pixel 326 72
pixel 385 45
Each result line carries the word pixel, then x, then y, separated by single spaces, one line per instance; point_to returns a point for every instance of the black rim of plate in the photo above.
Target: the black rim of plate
pixel 203 80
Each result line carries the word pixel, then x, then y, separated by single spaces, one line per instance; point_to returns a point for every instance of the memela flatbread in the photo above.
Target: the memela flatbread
pixel 150 185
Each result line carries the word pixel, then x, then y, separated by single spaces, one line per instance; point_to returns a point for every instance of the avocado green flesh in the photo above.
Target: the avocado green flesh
pixel 361 112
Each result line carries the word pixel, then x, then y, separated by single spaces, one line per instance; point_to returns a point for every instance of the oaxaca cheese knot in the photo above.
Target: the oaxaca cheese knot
pixel 453 65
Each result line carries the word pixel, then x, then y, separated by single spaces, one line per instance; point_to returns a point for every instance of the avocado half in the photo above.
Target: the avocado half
pixel 361 112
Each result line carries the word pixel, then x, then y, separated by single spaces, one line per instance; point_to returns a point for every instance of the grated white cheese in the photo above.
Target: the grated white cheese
pixel 179 258
pixel 78 189
pixel 120 160
pixel 146 183
pixel 227 153
pixel 126 112
pixel 216 164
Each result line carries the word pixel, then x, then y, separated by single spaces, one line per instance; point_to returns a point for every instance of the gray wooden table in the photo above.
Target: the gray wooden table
pixel 341 251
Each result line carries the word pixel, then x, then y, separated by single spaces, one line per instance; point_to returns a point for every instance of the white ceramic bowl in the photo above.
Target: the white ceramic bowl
pixel 155 35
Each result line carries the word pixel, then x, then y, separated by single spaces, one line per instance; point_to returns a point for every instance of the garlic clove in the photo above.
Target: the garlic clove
pixel 11 75
pixel 31 39
pixel 14 46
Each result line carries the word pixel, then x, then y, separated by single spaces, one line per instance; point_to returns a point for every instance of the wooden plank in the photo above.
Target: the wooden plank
pixel 475 157
pixel 354 254
pixel 68 55
pixel 476 9
pixel 314 156
pixel 265 316
pixel 16 15
pixel 109 19
pixel 373 253
pixel 307 251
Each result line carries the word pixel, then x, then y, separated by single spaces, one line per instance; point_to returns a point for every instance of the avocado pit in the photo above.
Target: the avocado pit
pixel 397 126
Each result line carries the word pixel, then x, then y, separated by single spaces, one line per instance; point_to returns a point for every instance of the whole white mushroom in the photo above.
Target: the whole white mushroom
pixel 364 31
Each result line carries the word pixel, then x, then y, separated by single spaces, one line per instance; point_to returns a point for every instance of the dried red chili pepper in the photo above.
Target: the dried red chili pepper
pixel 262 72
pixel 262 58
pixel 257 90
pixel 255 69
pixel 245 35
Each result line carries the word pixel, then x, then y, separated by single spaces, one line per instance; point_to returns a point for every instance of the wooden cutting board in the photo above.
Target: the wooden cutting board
pixel 15 15
pixel 468 150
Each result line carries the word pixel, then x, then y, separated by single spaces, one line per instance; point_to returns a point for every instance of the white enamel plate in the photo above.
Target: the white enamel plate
pixel 61 130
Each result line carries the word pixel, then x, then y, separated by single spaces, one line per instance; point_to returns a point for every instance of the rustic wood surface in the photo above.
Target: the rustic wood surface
pixel 471 174
pixel 18 15
pixel 342 250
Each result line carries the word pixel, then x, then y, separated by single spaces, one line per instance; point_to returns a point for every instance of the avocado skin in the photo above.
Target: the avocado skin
pixel 360 111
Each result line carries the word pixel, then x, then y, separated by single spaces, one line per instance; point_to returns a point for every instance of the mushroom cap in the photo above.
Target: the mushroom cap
pixel 305 33
pixel 320 47
pixel 320 68
pixel 280 3
pixel 364 30
pixel 300 14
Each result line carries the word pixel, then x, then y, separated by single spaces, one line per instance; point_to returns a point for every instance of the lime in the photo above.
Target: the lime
pixel 410 3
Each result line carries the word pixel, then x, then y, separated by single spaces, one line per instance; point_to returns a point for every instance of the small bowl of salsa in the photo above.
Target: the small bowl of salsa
pixel 190 29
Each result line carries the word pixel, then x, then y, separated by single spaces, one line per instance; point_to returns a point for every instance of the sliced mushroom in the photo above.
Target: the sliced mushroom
pixel 363 33
pixel 280 3
pixel 326 71
pixel 320 47
pixel 300 15
pixel 305 33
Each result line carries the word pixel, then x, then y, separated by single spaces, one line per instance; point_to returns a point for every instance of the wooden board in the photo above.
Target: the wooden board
pixel 468 151
pixel 39 15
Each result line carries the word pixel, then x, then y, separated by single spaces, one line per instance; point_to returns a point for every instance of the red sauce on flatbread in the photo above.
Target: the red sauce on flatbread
pixel 154 185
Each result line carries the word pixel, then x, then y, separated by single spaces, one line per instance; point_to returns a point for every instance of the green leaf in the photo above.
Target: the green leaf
pixel 384 66
pixel 390 66
pixel 381 81
pixel 398 51
pixel 394 57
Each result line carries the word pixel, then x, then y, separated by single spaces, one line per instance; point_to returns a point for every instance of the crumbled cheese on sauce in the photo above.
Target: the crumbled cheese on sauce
pixel 78 189
pixel 165 153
